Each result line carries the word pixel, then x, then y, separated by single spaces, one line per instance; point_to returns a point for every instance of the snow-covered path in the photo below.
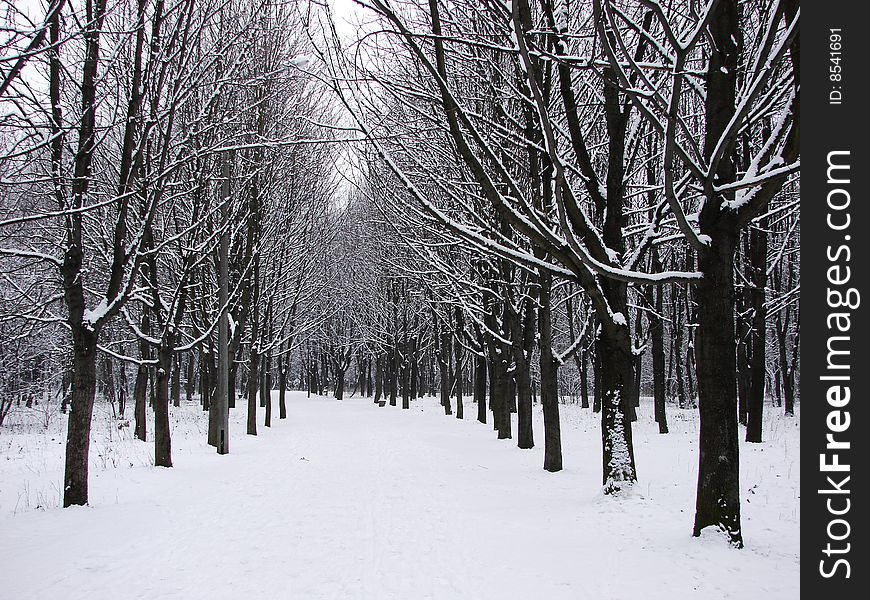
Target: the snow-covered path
pixel 348 500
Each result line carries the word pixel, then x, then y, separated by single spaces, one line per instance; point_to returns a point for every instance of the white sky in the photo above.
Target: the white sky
pixel 349 18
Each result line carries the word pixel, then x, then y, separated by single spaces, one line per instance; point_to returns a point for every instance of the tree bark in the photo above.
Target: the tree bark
pixel 84 386
pixel 616 383
pixel 596 380
pixel 499 401
pixel 457 360
pixel 394 373
pixel 205 386
pixel 677 351
pixel 523 345
pixel 379 377
pixel 233 361
pixel 718 500
pixel 406 371
pixel 189 384
pixel 162 433
pixel 140 388
pixel 266 389
pixel 525 435
pixel 480 369
pixel 549 380
pixel 444 367
pixel 282 386
pixel 339 383
pixel 264 362
pixel 176 381
pixel 253 379
pixel 656 326
pixel 584 377
pixel 122 390
pixel 415 369
pixel 755 403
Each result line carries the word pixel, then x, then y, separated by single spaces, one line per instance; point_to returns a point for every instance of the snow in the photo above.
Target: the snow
pixel 349 500
pixel 91 317
pixel 621 473
pixel 303 61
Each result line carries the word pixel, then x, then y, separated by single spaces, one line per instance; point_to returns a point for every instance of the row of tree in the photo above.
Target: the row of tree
pixel 167 189
pixel 520 203
pixel 616 148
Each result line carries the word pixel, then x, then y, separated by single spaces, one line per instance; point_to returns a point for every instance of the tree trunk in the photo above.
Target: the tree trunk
pixel 758 259
pixel 379 377
pixel 233 361
pixel 122 390
pixel 677 353
pixel 637 388
pixel 282 387
pixel 549 380
pixel 84 387
pixel 415 370
pixel 444 388
pixel 109 382
pixel 140 390
pixel 176 381
pixel 499 390
pixel 253 379
pixel 718 500
pixel 189 383
pixel 406 375
pixel 584 378
pixel 211 391
pixel 524 330
pixel 596 380
pixel 480 368
pixel 361 374
pixel 264 362
pixel 786 370
pixel 616 383
pixel 788 392
pixel 339 382
pixel 657 331
pixel 266 388
pixel 638 367
pixel 394 375
pixel 162 435
pixel 744 374
pixel 743 324
pixel 525 435
pixel 444 365
pixel 205 386
pixel 84 336
pixel 457 360
pixel 225 392
pixel 309 377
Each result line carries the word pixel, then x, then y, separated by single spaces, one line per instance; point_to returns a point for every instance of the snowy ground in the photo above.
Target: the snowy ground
pixel 349 500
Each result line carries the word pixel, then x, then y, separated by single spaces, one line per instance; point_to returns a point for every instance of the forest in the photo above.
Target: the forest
pixel 212 211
